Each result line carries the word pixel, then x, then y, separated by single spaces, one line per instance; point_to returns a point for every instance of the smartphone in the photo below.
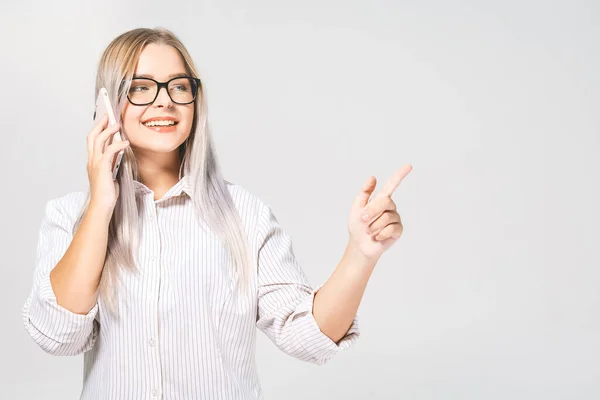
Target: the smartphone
pixel 103 107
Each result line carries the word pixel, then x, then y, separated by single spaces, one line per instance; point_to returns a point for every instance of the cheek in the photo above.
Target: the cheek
pixel 131 123
pixel 189 117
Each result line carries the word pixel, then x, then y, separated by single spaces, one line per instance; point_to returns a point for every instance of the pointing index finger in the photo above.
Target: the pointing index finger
pixel 395 180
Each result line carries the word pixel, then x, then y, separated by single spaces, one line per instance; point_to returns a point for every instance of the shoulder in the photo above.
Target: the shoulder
pixel 245 200
pixel 67 205
pixel 251 207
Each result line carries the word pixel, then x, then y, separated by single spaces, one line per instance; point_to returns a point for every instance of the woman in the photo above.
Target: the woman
pixel 161 277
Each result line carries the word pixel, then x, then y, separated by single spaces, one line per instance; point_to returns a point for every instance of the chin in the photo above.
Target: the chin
pixel 159 146
pixel 163 147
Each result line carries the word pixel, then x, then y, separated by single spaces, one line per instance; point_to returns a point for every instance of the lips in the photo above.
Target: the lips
pixel 158 125
pixel 162 129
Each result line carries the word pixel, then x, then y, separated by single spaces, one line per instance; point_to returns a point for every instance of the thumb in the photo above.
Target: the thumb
pixel 365 193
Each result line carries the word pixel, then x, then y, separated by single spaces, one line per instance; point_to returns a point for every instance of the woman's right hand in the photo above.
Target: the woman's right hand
pixel 104 191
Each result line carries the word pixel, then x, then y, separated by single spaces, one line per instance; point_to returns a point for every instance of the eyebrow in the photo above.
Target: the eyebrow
pixel 180 74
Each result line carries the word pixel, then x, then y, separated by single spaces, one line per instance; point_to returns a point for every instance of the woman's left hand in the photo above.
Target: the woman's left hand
pixel 373 236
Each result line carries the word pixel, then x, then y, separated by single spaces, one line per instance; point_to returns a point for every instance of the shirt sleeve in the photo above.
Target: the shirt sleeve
pixel 55 329
pixel 285 299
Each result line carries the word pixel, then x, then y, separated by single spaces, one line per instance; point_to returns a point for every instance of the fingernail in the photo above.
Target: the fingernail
pixel 365 217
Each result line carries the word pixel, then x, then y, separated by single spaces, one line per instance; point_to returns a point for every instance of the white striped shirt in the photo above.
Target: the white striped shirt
pixel 183 332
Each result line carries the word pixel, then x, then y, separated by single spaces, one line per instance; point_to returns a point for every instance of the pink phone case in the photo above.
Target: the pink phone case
pixel 104 107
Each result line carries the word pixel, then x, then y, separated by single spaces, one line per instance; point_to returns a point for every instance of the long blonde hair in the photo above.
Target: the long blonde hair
pixel 211 198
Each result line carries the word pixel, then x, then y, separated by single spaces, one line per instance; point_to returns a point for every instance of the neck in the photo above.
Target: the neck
pixel 158 171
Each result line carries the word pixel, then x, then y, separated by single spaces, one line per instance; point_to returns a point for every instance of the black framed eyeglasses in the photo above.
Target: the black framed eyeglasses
pixel 181 90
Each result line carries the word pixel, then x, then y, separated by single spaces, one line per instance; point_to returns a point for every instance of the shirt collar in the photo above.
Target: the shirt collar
pixel 182 186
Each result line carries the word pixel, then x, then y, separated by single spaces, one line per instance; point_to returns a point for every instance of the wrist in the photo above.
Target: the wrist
pixel 99 213
pixel 358 258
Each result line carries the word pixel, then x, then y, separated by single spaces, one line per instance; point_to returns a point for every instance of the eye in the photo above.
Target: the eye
pixel 139 88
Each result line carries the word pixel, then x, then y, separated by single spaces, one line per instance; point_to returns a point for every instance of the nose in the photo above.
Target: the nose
pixel 163 98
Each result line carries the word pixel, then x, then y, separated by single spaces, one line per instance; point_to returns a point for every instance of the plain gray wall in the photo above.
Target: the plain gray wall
pixel 492 292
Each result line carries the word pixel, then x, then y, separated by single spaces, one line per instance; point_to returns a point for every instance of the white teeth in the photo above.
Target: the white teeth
pixel 160 123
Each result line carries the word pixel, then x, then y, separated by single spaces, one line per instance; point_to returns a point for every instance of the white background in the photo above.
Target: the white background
pixel 492 292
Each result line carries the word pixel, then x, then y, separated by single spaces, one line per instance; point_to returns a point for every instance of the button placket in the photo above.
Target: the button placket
pixel 154 233
pixel 153 218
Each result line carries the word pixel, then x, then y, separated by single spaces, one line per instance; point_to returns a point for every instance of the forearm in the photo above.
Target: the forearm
pixel 336 303
pixel 76 277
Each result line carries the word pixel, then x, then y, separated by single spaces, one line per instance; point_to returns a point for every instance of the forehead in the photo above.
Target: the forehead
pixel 160 61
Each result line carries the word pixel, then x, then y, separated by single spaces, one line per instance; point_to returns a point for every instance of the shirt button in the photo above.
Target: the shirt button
pixel 151 342
pixel 153 258
pixel 154 392
pixel 151 218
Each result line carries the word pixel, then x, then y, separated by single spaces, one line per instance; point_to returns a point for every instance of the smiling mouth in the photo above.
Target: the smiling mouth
pixel 160 124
